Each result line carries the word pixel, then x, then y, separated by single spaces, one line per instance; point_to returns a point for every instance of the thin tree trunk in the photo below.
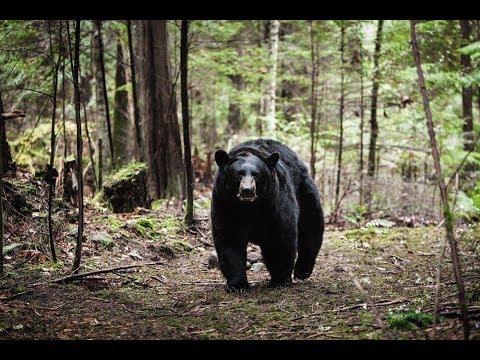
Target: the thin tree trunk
pixel 75 66
pixel 136 109
pixel 313 96
pixel 186 121
pixel 6 154
pixel 2 131
pixel 121 121
pixel 101 63
pixel 360 167
pixel 467 92
pixel 50 170
pixel 100 166
pixel 234 120
pixel 441 185
pixel 64 96
pixel 90 146
pixel 271 119
pixel 342 106
pixel 373 114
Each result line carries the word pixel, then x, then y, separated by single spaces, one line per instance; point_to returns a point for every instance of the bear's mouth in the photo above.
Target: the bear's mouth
pixel 247 199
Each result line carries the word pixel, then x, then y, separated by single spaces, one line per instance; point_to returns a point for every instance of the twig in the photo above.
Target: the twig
pixel 15 295
pixel 458 312
pixel 367 297
pixel 205 242
pixel 437 287
pixel 378 303
pixel 102 271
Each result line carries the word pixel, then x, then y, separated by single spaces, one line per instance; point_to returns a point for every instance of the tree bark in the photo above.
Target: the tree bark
pixel 103 111
pixel 163 149
pixel 342 107
pixel 186 122
pixel 467 91
pixel 6 153
pixel 234 110
pixel 313 99
pixel 373 114
pixel 441 185
pixel 271 118
pixel 2 141
pixel 121 121
pixel 75 69
pixel 362 101
pixel 51 169
pixel 136 109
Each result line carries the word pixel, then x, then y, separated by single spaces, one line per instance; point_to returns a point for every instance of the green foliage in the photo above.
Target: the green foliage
pixel 7 249
pixel 357 213
pixel 380 223
pixel 466 206
pixel 409 320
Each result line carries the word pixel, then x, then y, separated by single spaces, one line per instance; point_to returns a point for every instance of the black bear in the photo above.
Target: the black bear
pixel 263 194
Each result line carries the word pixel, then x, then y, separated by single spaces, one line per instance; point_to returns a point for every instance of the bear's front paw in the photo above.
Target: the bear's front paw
pixel 237 288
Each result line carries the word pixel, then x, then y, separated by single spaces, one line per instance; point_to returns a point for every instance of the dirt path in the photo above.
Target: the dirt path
pixel 183 299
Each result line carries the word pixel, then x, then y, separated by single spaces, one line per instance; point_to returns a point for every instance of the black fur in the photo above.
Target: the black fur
pixel 284 219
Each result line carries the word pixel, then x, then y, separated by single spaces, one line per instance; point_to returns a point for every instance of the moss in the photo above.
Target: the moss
pixel 182 246
pixel 126 173
pixel 409 321
pixel 173 224
pixel 148 228
pixel 107 243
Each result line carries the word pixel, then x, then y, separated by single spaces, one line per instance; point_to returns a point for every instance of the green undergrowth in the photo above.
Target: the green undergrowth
pixel 409 321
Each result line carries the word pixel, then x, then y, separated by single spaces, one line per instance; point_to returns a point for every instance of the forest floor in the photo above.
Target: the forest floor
pixel 180 297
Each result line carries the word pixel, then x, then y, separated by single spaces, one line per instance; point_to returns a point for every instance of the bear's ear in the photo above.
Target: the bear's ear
pixel 221 158
pixel 272 160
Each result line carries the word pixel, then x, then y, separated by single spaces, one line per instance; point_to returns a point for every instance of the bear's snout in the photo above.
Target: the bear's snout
pixel 247 190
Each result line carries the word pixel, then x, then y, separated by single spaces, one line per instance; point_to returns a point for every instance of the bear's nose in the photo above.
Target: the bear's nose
pixel 247 192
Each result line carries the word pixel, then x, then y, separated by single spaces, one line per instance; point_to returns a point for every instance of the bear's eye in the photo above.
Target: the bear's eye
pixel 255 175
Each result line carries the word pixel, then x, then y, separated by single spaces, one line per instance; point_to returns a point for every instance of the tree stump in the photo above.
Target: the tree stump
pixel 127 188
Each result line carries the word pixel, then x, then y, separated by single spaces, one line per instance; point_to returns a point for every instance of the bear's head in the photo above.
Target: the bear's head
pixel 246 176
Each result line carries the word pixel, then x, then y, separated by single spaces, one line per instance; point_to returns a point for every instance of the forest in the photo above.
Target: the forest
pixel 109 130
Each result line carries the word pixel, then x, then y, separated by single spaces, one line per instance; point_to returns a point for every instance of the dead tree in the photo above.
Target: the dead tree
pixel 448 217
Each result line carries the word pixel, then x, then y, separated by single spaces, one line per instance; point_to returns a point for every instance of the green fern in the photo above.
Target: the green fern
pixel 380 223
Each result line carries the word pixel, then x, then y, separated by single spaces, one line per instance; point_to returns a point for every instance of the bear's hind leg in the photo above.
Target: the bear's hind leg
pixel 310 229
pixel 279 259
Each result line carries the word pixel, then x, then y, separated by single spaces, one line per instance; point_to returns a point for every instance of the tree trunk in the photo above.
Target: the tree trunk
pixel 51 176
pixel 313 99
pixel 271 119
pixel 467 92
pixel 122 130
pixel 186 122
pixel 90 148
pixel 75 67
pixel 342 106
pixel 103 113
pixel 6 154
pixel 448 217
pixel 234 110
pixel 362 100
pixel 373 114
pixel 2 141
pixel 136 109
pixel 162 146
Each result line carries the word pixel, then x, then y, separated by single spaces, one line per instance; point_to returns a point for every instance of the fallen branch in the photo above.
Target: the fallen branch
pixel 74 277
pixel 13 114
pixel 458 312
pixel 15 295
pixel 378 303
pixel 367 297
